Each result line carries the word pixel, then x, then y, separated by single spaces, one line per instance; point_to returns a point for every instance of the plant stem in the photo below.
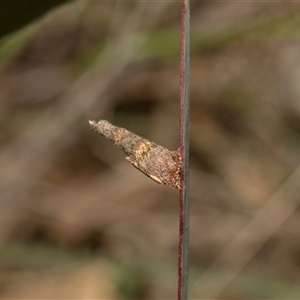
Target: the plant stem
pixel 183 251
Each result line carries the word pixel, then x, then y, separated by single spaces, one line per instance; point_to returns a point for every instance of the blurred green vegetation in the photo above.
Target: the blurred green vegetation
pixel 165 42
pixel 135 273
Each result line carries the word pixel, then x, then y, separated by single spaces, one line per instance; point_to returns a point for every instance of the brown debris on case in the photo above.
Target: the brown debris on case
pixel 155 161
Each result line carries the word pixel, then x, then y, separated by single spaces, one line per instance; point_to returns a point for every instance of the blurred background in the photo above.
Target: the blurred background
pixel 77 220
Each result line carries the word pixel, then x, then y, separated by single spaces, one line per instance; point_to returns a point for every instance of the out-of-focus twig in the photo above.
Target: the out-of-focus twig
pixel 262 226
pixel 30 155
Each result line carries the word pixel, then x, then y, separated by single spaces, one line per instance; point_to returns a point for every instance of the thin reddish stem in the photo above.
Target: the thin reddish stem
pixel 184 152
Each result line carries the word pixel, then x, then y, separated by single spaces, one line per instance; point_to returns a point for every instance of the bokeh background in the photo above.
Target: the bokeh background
pixel 79 222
